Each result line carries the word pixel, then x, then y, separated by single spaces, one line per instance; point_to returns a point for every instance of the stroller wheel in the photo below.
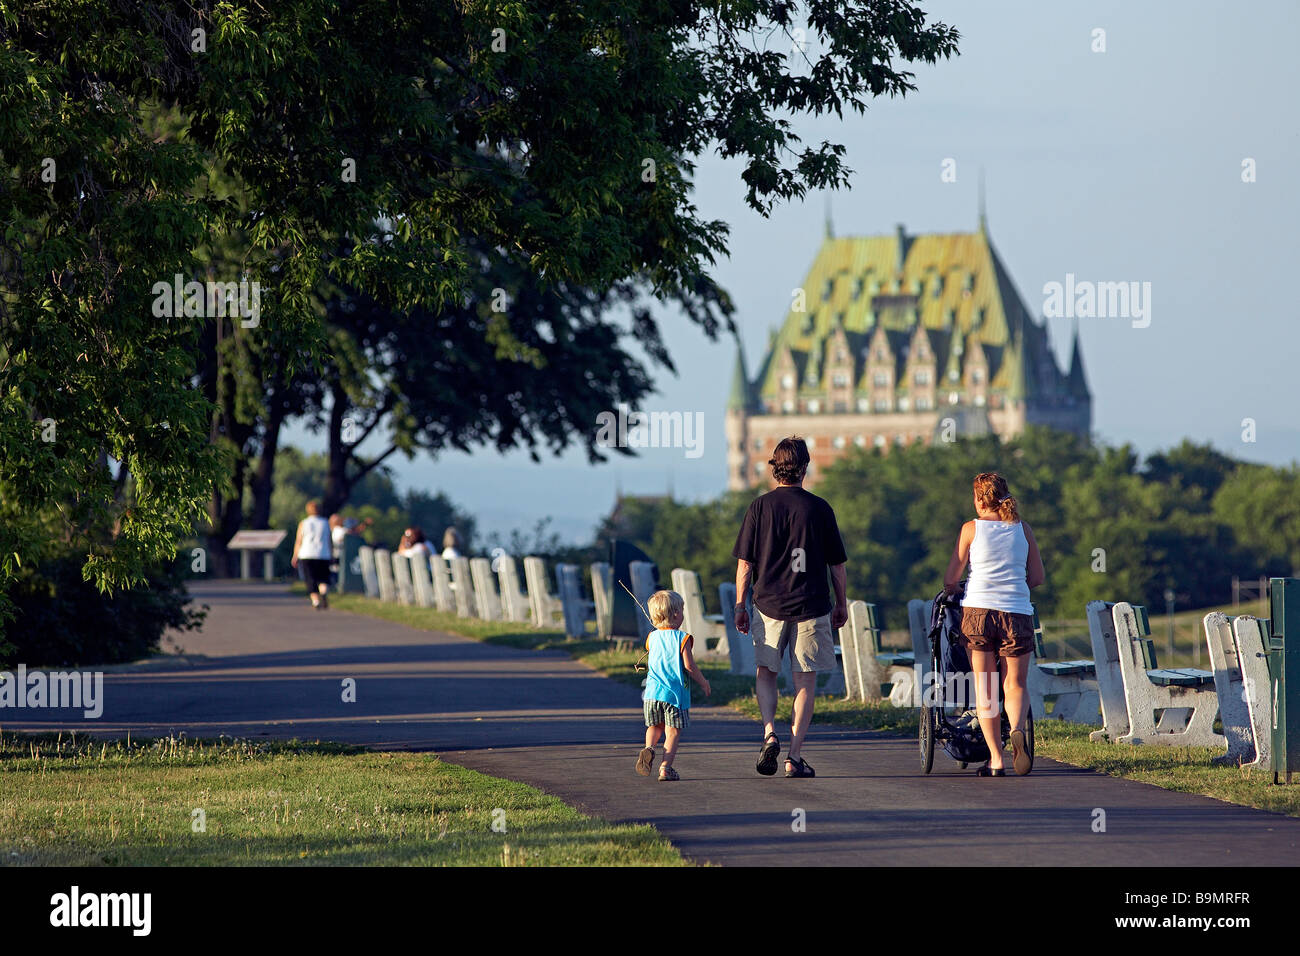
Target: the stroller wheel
pixel 929 719
pixel 927 739
pixel 963 765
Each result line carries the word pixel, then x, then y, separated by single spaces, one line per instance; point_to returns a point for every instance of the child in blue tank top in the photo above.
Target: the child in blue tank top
pixel 667 698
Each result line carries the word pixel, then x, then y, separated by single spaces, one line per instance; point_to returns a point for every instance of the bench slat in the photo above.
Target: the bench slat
pixel 897 658
pixel 1180 677
pixel 1069 668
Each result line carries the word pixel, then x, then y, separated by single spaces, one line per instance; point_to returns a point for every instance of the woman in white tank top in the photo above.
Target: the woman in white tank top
pixel 312 551
pixel 997 618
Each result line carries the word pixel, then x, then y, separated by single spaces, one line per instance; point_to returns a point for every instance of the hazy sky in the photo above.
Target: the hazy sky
pixel 1123 165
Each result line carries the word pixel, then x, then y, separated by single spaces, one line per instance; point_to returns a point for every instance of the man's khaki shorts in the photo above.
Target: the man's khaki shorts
pixel 811 643
pixel 998 632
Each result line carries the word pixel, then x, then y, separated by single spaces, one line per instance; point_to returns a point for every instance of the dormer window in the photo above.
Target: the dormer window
pixel 880 380
pixel 858 285
pixel 922 376
pixel 787 381
pixel 828 287
pixel 840 380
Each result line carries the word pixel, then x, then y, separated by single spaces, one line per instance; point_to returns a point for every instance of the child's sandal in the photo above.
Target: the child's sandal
pixel 645 761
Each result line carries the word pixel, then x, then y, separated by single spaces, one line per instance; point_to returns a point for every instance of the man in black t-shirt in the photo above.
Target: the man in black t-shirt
pixel 788 544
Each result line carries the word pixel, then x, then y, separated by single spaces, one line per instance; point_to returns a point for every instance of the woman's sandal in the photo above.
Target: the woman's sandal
pixel 987 771
pixel 767 756
pixel 644 761
pixel 1021 758
pixel 667 773
pixel 802 768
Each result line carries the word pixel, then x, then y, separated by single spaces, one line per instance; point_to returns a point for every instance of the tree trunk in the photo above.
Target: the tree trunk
pixel 337 486
pixel 263 479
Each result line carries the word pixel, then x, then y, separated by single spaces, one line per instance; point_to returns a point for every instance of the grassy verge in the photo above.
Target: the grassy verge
pixel 1185 769
pixel 80 802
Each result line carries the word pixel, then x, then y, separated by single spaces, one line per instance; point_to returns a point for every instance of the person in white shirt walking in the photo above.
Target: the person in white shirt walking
pixel 312 548
pixel 997 619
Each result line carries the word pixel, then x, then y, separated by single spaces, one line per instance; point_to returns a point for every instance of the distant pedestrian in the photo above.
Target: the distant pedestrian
pixel 667 698
pixel 452 543
pixel 311 548
pixel 414 544
pixel 787 545
pixel 997 620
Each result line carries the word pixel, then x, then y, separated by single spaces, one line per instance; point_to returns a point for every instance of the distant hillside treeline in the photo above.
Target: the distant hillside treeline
pixel 1187 519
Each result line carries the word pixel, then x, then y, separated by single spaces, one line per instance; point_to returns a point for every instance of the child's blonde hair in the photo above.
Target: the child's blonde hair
pixel 664 606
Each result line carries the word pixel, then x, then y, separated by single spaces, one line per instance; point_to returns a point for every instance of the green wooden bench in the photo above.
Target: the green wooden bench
pixel 1072 684
pixel 1184 697
pixel 867 664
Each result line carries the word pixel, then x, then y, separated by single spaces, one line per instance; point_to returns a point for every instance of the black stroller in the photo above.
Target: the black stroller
pixel 948 713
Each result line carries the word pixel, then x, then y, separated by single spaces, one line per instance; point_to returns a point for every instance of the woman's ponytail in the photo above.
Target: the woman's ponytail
pixel 992 493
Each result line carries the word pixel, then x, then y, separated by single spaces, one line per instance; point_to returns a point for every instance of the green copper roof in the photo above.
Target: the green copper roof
pixel 954 285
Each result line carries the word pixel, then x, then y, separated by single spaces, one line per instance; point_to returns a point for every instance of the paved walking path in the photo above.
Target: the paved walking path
pixel 267 664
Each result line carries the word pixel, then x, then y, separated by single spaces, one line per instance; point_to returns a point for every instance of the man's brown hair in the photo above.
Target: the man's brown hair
pixel 790 460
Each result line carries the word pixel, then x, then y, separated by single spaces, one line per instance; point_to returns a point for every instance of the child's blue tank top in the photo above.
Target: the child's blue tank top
pixel 665 679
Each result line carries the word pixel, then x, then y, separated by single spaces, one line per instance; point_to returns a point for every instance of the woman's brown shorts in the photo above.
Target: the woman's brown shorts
pixel 998 632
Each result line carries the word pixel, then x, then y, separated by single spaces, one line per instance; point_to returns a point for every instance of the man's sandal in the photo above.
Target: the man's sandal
pixel 645 761
pixel 667 773
pixel 767 756
pixel 802 768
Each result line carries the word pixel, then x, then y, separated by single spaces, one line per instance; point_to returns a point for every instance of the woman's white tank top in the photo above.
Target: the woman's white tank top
pixel 315 543
pixel 998 559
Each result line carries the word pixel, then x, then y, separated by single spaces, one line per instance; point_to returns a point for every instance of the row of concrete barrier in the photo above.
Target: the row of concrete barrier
pixel 1121 689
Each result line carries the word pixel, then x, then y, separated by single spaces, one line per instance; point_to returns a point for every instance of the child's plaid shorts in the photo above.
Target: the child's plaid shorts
pixel 670 715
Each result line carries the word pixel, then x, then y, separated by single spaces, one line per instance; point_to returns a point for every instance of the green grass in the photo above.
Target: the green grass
pixel 1185 769
pixel 68 801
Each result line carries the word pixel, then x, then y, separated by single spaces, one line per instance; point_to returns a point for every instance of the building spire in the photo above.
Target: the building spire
pixel 1078 380
pixel 740 398
pixel 830 227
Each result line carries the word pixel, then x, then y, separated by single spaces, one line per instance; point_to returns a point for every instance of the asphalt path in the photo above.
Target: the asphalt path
pixel 266 664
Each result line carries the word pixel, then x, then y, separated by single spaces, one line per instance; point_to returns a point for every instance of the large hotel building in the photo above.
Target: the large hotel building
pixel 897 339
